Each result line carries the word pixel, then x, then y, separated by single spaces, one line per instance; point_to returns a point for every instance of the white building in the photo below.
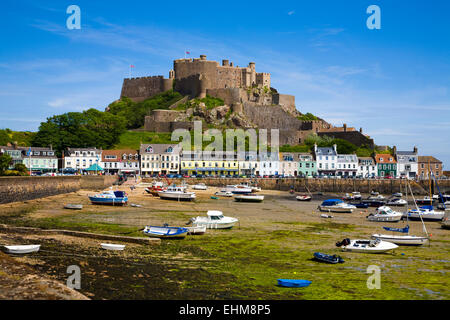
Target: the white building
pixel 367 168
pixel 407 163
pixel 248 163
pixel 269 164
pixel 289 164
pixel 347 165
pixel 160 159
pixel 82 158
pixel 326 159
pixel 124 161
pixel 40 159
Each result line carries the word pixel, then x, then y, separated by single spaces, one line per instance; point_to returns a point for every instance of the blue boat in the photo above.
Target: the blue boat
pixel 359 205
pixel 110 197
pixel 165 232
pixel 291 283
pixel 328 258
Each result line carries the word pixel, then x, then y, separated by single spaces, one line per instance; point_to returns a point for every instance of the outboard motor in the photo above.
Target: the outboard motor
pixel 191 220
pixel 344 242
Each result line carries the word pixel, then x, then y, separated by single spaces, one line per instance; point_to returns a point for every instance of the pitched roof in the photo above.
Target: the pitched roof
pixel 386 158
pixel 119 154
pixel 160 148
pixel 429 159
pixel 325 151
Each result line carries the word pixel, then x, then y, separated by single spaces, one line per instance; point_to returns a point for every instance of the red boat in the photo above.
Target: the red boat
pixel 155 188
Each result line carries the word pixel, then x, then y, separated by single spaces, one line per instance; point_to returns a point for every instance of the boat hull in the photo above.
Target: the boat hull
pixel 395 218
pixel 425 217
pixel 111 246
pixel 402 240
pixel 166 232
pixel 382 247
pixel 22 249
pixel 335 209
pixel 248 198
pixel 215 225
pixel 176 196
pixel 291 283
pixel 108 201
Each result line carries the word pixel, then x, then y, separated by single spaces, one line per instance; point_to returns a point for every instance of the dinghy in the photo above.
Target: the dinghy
pixel 111 246
pixel 165 232
pixel 366 246
pixel 177 193
pixel 214 220
pixel 328 258
pixel 73 206
pixel 200 186
pixel 249 198
pixel 136 205
pixel 336 205
pixel 292 283
pixel 23 249
pixel 214 198
pixel 324 215
pixel 198 230
pixel 385 214
pixel 303 197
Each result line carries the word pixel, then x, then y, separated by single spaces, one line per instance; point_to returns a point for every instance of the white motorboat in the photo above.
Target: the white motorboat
pixel 196 230
pixel 425 213
pixel 236 189
pixel 249 197
pixel 353 196
pixel 214 220
pixel 22 249
pixel 407 240
pixel 324 215
pixel 376 197
pixel 366 246
pixel 385 214
pixel 398 202
pixel 176 193
pixel 200 186
pixel 245 185
pixel 112 246
pixel 336 205
pixel 224 193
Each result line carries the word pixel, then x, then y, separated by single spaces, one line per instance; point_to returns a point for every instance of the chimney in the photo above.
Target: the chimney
pixel 345 127
pixel 360 130
pixel 225 63
pixel 335 148
pixel 202 57
pixel 394 149
pixel 415 149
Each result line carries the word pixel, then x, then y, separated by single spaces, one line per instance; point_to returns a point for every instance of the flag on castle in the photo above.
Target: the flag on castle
pixel 188 52
pixel 131 66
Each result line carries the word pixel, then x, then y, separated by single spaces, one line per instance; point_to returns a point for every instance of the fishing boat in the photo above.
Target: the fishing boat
pixel 23 249
pixel 236 189
pixel 156 187
pixel 250 197
pixel 405 240
pixel 165 232
pixel 214 220
pixel 426 213
pixel 292 283
pixel 200 186
pixel 198 230
pixel 336 205
pixel 328 258
pixel 303 197
pixel 385 214
pixel 176 193
pixel 398 202
pixel 73 206
pixel 224 193
pixel 366 246
pixel 110 197
pixel 112 246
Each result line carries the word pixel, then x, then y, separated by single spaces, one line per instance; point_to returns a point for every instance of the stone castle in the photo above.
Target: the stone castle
pixel 247 95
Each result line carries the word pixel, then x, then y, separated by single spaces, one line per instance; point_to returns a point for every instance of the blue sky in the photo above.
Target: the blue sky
pixel 393 82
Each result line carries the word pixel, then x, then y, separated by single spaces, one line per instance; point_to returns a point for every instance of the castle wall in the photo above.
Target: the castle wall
pixel 139 89
pixel 270 117
pixel 228 95
pixel 285 100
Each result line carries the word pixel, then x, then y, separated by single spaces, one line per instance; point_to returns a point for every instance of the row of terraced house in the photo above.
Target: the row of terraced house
pixel 157 159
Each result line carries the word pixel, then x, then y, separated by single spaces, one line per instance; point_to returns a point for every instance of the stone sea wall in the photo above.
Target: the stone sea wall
pixel 15 189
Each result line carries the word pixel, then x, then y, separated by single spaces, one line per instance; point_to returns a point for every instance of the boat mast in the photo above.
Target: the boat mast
pixel 418 212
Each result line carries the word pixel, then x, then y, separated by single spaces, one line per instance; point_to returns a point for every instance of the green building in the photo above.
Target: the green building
pixel 307 166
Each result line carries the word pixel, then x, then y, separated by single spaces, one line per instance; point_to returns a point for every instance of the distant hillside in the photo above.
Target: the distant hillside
pixel 22 138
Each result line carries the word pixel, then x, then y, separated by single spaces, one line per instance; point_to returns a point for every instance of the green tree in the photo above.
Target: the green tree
pixel 21 169
pixel 5 162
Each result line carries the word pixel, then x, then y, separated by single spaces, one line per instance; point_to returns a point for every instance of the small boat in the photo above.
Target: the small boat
pixel 177 193
pixel 214 220
pixel 385 214
pixel 165 232
pixel 336 205
pixel 328 258
pixel 291 283
pixel 156 187
pixel 359 205
pixel 373 202
pixel 198 230
pixel 397 195
pixel 425 213
pixel 377 197
pixel 224 193
pixel 73 206
pixel 214 198
pixel 406 240
pixel 110 197
pixel 398 202
pixel 111 246
pixel 353 196
pixel 324 215
pixel 249 198
pixel 238 189
pixel 445 222
pixel 136 205
pixel 303 197
pixel 366 246
pixel 425 201
pixel 22 249
pixel 200 186
pixel 245 185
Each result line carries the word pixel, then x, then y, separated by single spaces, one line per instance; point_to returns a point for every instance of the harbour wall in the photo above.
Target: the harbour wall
pixel 383 186
pixel 15 189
